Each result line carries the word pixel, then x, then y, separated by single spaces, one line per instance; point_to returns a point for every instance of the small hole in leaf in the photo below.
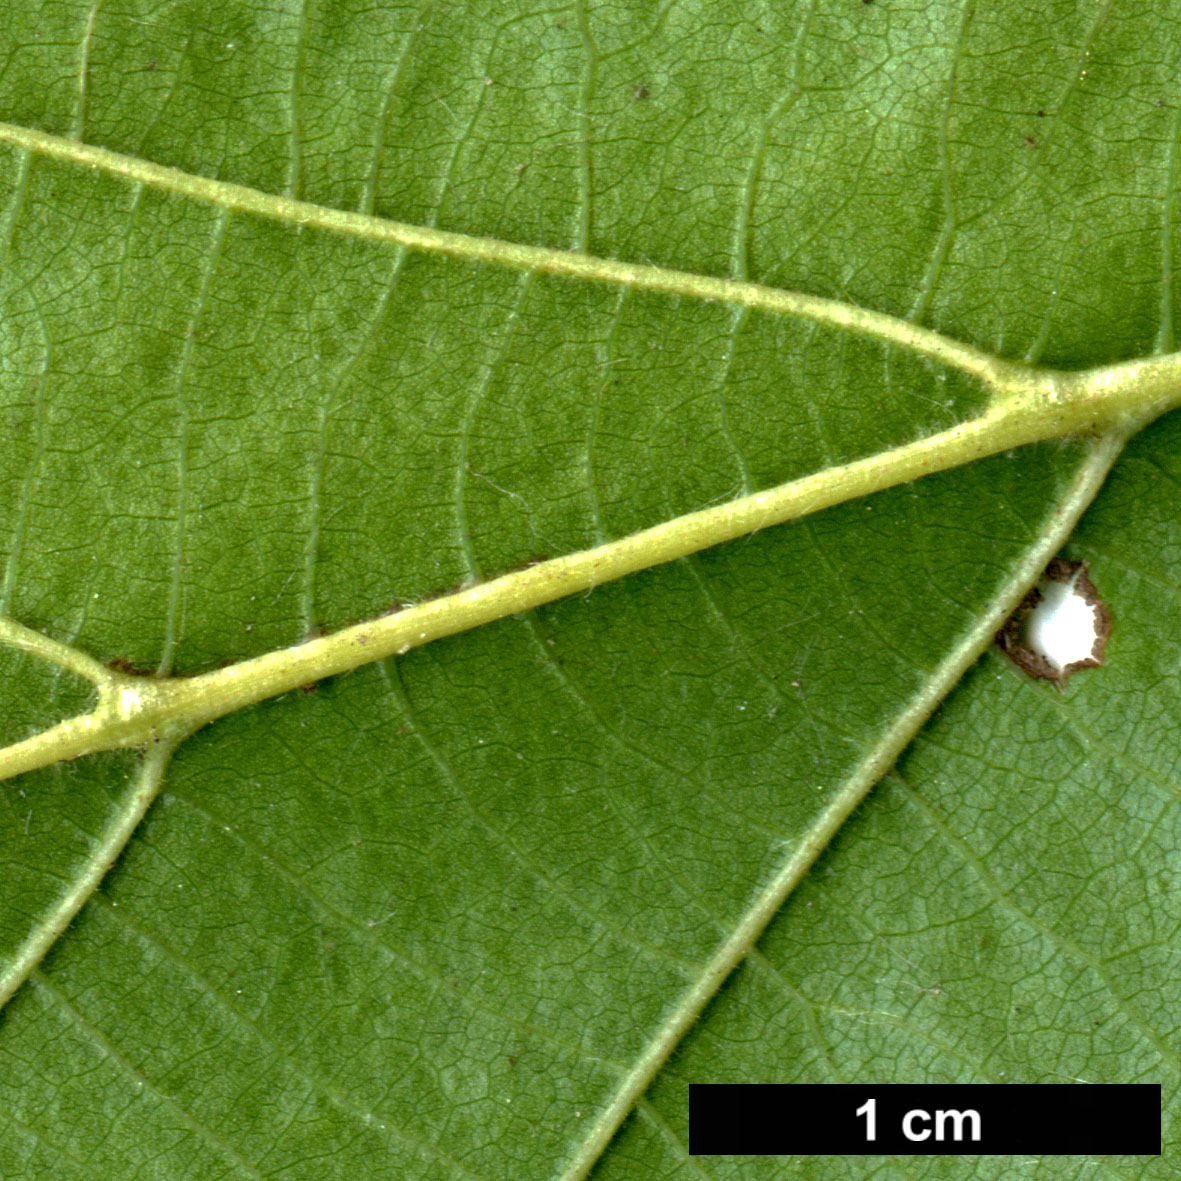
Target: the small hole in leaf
pixel 1060 627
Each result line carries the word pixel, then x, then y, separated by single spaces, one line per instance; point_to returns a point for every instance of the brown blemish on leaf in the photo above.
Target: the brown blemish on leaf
pixel 119 665
pixel 1025 658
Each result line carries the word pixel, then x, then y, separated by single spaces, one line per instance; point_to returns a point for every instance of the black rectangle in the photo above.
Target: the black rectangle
pixel 973 1119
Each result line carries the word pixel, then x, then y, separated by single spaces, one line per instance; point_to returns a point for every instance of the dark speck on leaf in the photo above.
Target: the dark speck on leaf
pixel 120 665
pixel 640 93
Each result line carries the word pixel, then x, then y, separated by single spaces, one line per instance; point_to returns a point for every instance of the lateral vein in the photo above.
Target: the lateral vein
pixel 574 264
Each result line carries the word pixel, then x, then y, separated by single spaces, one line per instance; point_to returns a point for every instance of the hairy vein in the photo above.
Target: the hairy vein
pixel 572 263
pixel 144 788
pixel 739 941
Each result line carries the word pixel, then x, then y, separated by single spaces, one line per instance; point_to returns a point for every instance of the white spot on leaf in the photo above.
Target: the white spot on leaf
pixel 1063 627
pixel 1060 627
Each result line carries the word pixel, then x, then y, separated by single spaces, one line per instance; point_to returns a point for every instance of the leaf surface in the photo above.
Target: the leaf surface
pixel 439 917
pixel 1004 909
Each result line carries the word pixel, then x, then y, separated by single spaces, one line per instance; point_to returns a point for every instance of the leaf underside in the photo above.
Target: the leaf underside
pixel 426 920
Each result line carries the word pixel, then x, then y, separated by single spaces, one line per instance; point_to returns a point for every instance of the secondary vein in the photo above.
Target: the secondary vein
pixel 573 264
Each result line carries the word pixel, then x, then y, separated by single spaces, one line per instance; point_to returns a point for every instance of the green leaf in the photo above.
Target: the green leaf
pixel 448 914
pixel 1005 907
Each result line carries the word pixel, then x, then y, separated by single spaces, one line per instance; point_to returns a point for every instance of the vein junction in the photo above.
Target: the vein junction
pixel 1026 405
